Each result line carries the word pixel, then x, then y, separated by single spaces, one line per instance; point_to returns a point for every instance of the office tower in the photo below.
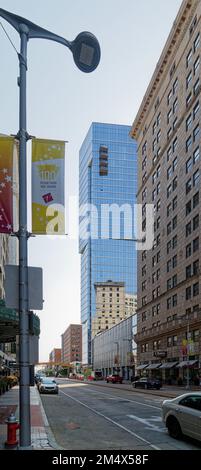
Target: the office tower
pixel 107 177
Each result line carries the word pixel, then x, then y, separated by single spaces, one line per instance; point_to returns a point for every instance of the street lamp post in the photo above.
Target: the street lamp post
pixel 117 343
pixel 86 53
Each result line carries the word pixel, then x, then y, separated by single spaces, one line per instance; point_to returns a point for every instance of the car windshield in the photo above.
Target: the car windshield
pixel 48 381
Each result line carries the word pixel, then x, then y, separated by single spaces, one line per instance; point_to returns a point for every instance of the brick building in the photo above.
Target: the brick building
pixel 167 129
pixel 55 355
pixel 72 344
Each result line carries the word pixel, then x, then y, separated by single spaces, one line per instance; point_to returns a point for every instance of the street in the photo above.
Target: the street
pixel 85 416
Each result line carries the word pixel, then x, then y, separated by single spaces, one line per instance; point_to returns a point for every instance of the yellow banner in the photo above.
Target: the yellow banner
pixel 48 158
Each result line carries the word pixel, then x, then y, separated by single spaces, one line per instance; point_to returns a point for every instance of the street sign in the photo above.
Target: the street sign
pixel 35 287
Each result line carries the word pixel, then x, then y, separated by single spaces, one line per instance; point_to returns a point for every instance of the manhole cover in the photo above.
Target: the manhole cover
pixel 72 426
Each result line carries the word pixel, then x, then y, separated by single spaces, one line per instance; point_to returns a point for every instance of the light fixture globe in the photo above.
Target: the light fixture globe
pixel 86 51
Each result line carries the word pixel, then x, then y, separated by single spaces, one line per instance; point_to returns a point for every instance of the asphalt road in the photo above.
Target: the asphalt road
pixel 84 417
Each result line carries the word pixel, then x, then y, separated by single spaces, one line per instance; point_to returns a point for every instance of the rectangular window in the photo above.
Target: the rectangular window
pixel 189 122
pixel 169 114
pixel 189 57
pixel 196 65
pixel 196 267
pixel 196 132
pixel 188 208
pixel 174 222
pixel 154 127
pixel 196 244
pixel 188 99
pixel 169 228
pixel 188 293
pixel 103 161
pixel 158 120
pixel 175 105
pixel 195 289
pixel 174 164
pixel 188 229
pixel 169 209
pixel 174 144
pixel 189 78
pixel 169 97
pixel 196 110
pixel 174 242
pixel 174 183
pixel 195 200
pixel 169 303
pixel 175 86
pixel 189 165
pixel 188 271
pixel 174 281
pixel 169 265
pixel 174 203
pixel 174 123
pixel 188 143
pixel 196 177
pixel 169 153
pixel 196 87
pixel 196 155
pixel 169 190
pixel 174 261
pixel 169 172
pixel 188 186
pixel 196 222
pixel 196 42
pixel 169 244
pixel 169 284
pixel 188 250
pixel 169 341
pixel 174 300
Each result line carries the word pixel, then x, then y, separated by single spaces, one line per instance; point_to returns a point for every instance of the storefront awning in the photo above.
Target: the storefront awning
pixel 141 366
pixel 186 364
pixel 168 365
pixel 154 366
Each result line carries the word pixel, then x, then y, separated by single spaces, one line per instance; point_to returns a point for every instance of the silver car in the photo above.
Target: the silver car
pixel 47 385
pixel 182 415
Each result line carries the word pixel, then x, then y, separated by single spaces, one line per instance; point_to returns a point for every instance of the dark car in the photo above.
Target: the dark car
pixel 147 383
pixel 114 379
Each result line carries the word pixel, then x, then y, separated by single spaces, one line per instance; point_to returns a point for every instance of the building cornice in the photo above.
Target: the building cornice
pixel 180 26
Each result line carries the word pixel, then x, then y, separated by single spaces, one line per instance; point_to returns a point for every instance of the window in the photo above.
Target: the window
pixel 158 136
pixel 188 99
pixel 188 250
pixel 174 123
pixel 169 97
pixel 175 86
pixel 144 316
pixel 188 143
pixel 174 165
pixel 188 208
pixel 196 65
pixel 188 293
pixel 175 105
pixel 169 133
pixel 169 264
pixel 188 271
pixel 144 300
pixel 196 132
pixel 188 122
pixel 196 222
pixel 144 285
pixel 169 114
pixel 188 229
pixel 169 244
pixel 196 155
pixel 188 186
pixel 169 153
pixel 174 280
pixel 169 190
pixel 169 172
pixel 174 203
pixel 158 120
pixel 193 402
pixel 174 183
pixel 158 171
pixel 174 261
pixel 144 270
pixel 174 222
pixel 175 340
pixel 189 57
pixel 196 267
pixel 196 87
pixel 174 242
pixel 188 79
pixel 169 228
pixel 196 109
pixel 174 145
pixel 189 165
pixel 195 289
pixel 154 145
pixel 196 42
pixel 174 300
pixel 158 222
pixel 169 303
pixel 144 194
pixel 196 178
pixel 169 208
pixel 154 127
pixel 195 244
pixel 169 284
pixel 195 200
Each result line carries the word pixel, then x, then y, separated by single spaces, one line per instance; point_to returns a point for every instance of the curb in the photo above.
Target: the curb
pixel 50 435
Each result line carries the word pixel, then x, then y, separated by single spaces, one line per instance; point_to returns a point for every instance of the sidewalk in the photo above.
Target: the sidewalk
pixel 167 391
pixel 41 435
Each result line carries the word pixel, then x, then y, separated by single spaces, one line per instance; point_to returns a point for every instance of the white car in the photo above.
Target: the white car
pixel 47 385
pixel 182 415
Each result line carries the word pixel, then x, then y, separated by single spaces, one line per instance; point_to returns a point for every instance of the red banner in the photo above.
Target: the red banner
pixel 6 191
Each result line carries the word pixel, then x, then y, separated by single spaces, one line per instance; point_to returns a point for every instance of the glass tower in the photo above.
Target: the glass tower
pixel 108 187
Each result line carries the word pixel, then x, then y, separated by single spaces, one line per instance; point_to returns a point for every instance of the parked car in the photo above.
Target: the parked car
pixel 147 383
pixel 38 378
pixel 182 415
pixel 47 385
pixel 115 379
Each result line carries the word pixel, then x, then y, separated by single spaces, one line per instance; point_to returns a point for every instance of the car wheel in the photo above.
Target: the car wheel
pixel 174 428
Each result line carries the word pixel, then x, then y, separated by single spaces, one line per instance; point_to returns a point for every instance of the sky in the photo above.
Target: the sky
pixel 62 102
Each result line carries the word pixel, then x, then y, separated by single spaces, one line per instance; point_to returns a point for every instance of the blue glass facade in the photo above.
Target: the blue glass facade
pixel 114 181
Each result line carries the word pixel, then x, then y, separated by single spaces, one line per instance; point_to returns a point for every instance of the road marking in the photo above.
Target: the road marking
pixel 147 423
pixel 111 421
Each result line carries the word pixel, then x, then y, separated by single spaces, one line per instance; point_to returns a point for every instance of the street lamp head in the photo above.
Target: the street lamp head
pixel 86 51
